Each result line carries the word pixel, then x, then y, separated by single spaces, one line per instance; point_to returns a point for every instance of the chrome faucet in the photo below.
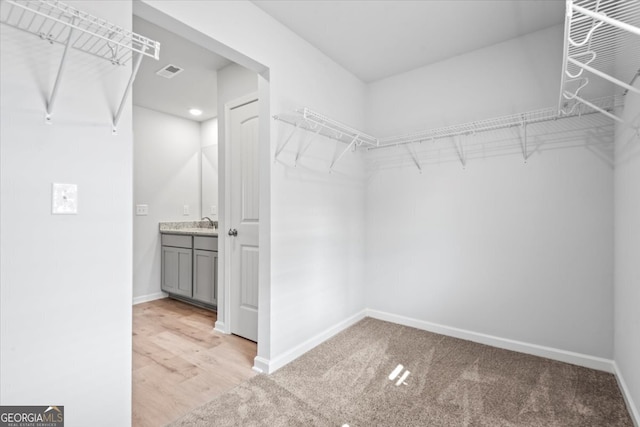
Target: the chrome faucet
pixel 210 221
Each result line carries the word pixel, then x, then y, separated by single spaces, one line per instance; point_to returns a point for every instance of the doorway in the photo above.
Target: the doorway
pixel 239 78
pixel 259 277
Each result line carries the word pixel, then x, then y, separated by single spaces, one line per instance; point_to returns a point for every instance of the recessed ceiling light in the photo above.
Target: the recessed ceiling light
pixel 195 112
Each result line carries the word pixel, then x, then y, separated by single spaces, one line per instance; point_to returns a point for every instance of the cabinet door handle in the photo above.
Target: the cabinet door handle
pixel 233 232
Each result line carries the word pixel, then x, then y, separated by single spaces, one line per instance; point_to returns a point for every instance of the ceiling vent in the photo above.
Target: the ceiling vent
pixel 169 71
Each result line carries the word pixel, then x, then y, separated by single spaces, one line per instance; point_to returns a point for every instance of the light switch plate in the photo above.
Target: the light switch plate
pixel 142 209
pixel 64 199
pixel 185 210
pixel 213 210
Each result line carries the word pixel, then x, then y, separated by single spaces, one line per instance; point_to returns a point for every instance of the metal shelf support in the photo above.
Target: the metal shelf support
pixel 414 156
pixel 56 85
pixel 286 141
pixel 57 22
pixel 523 136
pixel 306 146
pixel 351 144
pixel 459 146
pixel 116 118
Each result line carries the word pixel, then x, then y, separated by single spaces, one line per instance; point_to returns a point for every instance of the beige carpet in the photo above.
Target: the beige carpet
pixel 451 382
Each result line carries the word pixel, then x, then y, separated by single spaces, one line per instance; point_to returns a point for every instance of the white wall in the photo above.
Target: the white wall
pixel 321 284
pixel 65 305
pixel 166 177
pixel 513 250
pixel 518 75
pixel 627 248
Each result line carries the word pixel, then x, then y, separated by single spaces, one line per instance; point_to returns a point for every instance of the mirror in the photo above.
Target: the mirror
pixel 209 169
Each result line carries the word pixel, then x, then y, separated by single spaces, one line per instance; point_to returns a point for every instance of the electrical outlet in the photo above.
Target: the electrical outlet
pixel 142 209
pixel 213 210
pixel 64 199
pixel 185 210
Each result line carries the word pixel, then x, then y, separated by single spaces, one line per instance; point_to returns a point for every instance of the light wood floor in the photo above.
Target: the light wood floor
pixel 180 363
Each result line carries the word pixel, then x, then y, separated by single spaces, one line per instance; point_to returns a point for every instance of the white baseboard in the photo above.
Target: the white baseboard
pixel 220 327
pixel 260 365
pixel 272 365
pixel 579 359
pixel 150 297
pixel 633 409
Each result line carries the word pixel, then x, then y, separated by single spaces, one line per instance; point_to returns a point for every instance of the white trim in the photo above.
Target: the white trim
pixel 260 365
pixel 272 365
pixel 579 359
pixel 242 100
pixel 150 297
pixel 626 394
pixel 220 327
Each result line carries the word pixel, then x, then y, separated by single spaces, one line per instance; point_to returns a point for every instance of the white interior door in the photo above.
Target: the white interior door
pixel 245 198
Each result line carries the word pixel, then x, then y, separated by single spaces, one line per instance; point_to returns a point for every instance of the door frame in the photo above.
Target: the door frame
pixel 223 323
pixel 262 362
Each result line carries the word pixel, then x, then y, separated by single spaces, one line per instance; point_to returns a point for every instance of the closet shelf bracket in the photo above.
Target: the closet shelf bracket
pixel 351 144
pixel 459 146
pixel 286 141
pixel 321 125
pixel 305 147
pixel 523 130
pixel 127 91
pixel 414 156
pixel 56 85
pixel 57 22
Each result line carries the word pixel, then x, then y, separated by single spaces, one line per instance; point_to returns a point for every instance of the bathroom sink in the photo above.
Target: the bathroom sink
pixel 200 228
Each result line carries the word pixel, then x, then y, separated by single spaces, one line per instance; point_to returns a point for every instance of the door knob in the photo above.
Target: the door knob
pixel 233 232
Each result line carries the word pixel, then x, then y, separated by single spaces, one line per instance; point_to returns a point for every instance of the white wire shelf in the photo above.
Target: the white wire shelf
pixel 57 22
pixel 608 104
pixel 601 61
pixel 319 124
pixel 591 132
pixel 601 51
pixel 322 125
pixel 54 21
pixel 307 119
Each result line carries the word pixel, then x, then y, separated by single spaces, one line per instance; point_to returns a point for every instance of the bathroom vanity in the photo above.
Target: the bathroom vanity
pixel 189 262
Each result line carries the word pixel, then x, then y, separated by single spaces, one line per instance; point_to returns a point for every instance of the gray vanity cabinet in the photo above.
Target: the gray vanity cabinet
pixel 205 269
pixel 176 265
pixel 190 267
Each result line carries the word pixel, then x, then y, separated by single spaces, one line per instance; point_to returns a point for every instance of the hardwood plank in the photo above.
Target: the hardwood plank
pixel 180 362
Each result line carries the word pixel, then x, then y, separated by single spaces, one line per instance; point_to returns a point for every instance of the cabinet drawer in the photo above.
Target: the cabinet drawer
pixel 205 243
pixel 176 241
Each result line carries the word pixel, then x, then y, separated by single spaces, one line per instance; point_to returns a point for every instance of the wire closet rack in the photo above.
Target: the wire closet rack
pixel 308 120
pixel 56 22
pixel 321 125
pixel 602 41
pixel 601 51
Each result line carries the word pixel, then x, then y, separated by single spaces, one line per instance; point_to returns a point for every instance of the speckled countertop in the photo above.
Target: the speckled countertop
pixel 189 228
